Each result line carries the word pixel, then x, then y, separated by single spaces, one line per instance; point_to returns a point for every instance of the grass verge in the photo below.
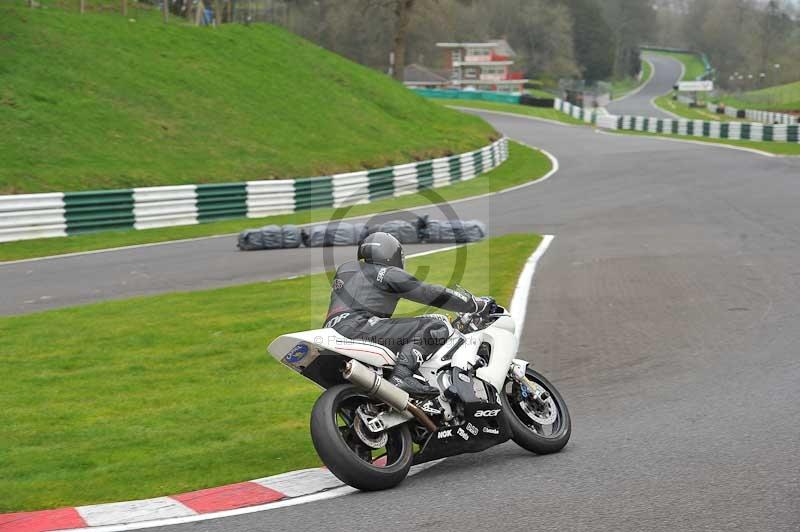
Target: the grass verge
pixel 692 113
pixel 777 148
pixel 165 394
pixel 539 93
pixel 620 88
pixel 524 110
pixel 778 98
pixel 100 101
pixel 523 165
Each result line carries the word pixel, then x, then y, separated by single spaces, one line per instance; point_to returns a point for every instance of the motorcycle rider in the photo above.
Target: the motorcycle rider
pixel 365 294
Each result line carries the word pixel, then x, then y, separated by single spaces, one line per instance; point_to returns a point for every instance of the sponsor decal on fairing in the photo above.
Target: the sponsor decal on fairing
pixel 461 432
pixel 445 434
pixel 472 429
pixel 487 413
pixel 297 354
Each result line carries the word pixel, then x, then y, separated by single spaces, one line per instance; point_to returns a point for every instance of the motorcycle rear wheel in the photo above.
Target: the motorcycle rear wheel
pixel 345 453
pixel 542 427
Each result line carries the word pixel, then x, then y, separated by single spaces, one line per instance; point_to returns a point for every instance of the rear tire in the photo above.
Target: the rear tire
pixel 526 432
pixel 345 455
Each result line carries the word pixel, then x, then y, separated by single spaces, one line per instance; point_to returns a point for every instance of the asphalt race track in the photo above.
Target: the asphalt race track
pixel 31 286
pixel 666 311
pixel 666 73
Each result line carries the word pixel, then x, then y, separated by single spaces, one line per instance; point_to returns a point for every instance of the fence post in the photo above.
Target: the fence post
pixel 124 8
pixel 82 6
pixel 165 9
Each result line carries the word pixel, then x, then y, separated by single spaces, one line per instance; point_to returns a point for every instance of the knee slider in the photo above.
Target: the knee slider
pixel 410 356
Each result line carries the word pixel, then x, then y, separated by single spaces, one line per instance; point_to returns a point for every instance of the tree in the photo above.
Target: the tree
pixel 593 40
pixel 402 11
pixel 633 23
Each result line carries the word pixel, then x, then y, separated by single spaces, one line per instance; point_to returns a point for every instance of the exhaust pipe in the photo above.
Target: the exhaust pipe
pixel 380 388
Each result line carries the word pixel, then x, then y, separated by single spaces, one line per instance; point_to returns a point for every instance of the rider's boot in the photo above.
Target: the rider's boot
pixel 408 360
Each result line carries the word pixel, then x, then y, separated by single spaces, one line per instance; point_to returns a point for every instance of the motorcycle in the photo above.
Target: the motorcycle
pixel 369 433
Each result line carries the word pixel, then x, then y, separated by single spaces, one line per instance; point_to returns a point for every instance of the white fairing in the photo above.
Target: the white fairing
pixel 298 350
pixel 504 349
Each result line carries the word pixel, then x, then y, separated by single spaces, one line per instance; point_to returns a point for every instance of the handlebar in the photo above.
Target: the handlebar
pixel 464 321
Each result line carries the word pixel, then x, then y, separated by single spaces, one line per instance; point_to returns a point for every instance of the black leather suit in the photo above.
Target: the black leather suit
pixel 364 297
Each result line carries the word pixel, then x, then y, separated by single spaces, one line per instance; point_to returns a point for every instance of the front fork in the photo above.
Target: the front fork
pixel 528 388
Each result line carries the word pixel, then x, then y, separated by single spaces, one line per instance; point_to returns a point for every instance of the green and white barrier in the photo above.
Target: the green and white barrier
pixel 575 111
pixel 685 127
pixel 704 128
pixel 27 216
pixel 767 117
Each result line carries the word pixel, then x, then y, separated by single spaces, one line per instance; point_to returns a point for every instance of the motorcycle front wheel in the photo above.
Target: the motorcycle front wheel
pixel 359 458
pixel 539 418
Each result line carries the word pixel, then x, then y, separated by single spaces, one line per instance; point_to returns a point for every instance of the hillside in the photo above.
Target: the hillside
pixel 102 101
pixel 777 98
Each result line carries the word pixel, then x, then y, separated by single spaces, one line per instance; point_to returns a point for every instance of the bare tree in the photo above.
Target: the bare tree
pixel 164 10
pixel 402 11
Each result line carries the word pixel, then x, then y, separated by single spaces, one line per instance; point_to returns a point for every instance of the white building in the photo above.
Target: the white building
pixel 482 66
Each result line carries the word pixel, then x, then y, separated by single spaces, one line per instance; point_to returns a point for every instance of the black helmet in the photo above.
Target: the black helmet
pixel 381 248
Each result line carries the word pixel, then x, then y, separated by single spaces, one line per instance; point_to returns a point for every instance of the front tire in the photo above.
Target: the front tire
pixel 542 427
pixel 346 454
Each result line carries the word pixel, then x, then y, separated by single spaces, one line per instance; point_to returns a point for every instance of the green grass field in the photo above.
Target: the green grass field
pixel 778 148
pixel 525 110
pixel 693 65
pixel 777 98
pixel 523 165
pixel 668 104
pixel 620 88
pixel 165 394
pixel 97 101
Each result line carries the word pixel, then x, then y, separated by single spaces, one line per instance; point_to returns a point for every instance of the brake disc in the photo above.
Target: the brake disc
pixel 376 440
pixel 543 412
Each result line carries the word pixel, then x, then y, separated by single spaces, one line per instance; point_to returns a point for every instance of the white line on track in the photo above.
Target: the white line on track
pixel 432 251
pixel 553 170
pixel 519 301
pixel 710 144
pixel 640 87
pixel 516 115
pixel 653 99
pixel 661 109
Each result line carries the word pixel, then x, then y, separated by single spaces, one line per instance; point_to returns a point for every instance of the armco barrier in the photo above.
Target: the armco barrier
pixel 27 216
pixel 590 117
pixel 696 128
pixel 767 117
pixel 704 128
